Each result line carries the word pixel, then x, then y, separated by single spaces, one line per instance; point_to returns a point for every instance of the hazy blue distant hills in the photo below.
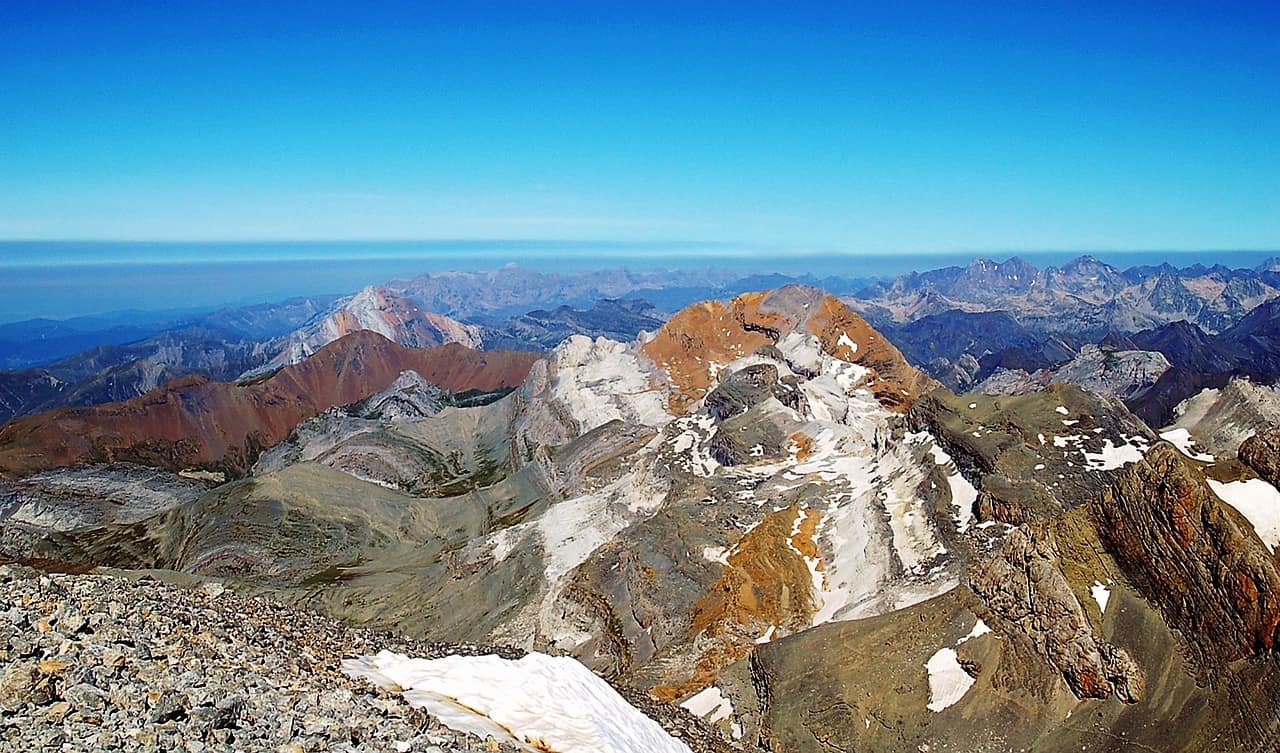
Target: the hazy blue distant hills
pixel 961 323
pixel 37 341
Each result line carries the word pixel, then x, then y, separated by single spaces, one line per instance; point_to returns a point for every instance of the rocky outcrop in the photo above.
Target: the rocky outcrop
pixel 1219 420
pixel 1261 452
pixel 1024 584
pixel 1194 556
pixel 193 422
pixel 709 333
pixel 410 396
pixel 1035 455
pixel 1124 374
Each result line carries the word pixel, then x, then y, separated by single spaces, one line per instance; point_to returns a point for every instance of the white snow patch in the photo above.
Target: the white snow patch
pixel 602 380
pixel 1112 457
pixel 846 341
pixel 710 704
pixel 539 700
pixel 948 682
pixel 979 629
pixel 1063 410
pixel 1258 501
pixel 963 494
pixel 1181 438
pixel 1101 594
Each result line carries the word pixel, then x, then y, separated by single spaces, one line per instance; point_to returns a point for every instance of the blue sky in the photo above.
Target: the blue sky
pixel 849 128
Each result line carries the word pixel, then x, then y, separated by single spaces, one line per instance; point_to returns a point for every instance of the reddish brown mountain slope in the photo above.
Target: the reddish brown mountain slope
pixel 193 422
pixel 715 332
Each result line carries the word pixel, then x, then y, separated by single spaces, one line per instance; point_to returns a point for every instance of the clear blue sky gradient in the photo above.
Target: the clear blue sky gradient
pixel 842 128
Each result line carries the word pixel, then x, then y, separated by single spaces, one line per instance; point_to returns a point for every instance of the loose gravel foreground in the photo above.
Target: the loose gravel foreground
pixel 100 663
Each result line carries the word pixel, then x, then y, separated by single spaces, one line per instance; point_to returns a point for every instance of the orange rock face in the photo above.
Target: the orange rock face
pixel 194 422
pixel 766 583
pixel 709 333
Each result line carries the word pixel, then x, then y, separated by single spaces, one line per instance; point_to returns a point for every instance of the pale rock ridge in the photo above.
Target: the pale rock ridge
pixel 375 309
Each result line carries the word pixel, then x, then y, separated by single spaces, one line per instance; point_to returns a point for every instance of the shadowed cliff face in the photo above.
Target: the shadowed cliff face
pixel 193 422
pixel 1261 452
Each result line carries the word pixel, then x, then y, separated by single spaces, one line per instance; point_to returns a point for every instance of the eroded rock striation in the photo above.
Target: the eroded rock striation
pixel 1194 556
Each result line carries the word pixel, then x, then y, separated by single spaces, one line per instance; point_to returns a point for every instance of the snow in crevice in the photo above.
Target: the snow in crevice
pixel 979 629
pixel 1101 594
pixel 538 702
pixel 963 493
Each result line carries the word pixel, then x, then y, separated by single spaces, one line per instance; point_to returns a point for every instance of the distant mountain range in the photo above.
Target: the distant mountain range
pixel 999 326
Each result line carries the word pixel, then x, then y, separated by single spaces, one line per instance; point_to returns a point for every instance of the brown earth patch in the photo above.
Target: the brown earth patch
pixel 766 583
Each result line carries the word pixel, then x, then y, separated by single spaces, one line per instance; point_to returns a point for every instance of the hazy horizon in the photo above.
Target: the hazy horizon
pixel 63 280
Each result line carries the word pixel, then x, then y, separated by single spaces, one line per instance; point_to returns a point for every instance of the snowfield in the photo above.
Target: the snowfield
pixel 948 682
pixel 539 702
pixel 1257 501
pixel 1181 438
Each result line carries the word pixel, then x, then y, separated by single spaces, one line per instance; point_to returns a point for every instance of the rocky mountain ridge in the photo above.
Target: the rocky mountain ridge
pixel 196 423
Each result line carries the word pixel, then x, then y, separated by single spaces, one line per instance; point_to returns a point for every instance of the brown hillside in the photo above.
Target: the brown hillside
pixel 194 422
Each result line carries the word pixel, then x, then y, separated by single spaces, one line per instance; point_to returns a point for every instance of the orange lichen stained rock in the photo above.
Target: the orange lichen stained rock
pixel 803 443
pixel 693 340
pixel 848 337
pixel 806 527
pixel 707 335
pixel 767 584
